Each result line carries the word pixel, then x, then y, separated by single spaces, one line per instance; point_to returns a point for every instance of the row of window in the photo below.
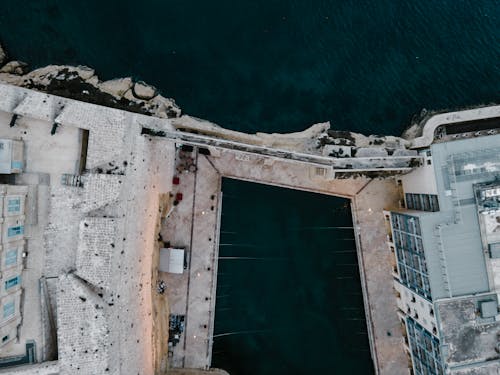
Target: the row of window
pixel 411 259
pixel 408 241
pixel 416 281
pixel 410 253
pixel 425 349
pixel 11 259
pixel 406 223
pixel 422 202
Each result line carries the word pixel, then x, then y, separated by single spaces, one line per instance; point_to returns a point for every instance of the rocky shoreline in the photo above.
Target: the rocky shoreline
pixel 82 83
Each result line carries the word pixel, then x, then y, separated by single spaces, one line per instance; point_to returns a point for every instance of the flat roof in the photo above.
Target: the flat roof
pixel 452 237
pixel 467 339
pixel 172 260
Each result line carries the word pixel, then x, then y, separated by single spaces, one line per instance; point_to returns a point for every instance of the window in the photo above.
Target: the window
pixel 12 282
pixel 15 231
pixel 422 202
pixel 14 205
pixel 8 309
pixel 11 258
pixel 5 338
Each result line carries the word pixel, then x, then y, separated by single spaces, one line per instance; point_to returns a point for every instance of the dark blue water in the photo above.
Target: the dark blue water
pixel 277 65
pixel 289 295
pixel 280 65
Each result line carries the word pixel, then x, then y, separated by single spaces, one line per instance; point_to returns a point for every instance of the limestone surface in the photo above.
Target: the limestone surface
pixel 116 87
pixel 143 91
pixel 14 67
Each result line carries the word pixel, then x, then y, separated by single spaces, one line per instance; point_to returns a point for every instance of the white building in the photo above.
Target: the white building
pixel 444 267
pixel 12 202
pixel 11 156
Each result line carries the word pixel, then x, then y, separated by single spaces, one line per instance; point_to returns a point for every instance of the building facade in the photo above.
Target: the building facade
pixel 445 276
pixel 12 202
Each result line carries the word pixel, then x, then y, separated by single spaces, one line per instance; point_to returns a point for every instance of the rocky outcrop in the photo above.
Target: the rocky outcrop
pixel 143 91
pixel 14 67
pixel 82 83
pixel 3 55
pixel 117 87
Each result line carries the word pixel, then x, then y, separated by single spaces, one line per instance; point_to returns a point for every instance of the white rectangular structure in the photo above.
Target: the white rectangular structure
pixel 172 260
pixel 13 204
pixel 13 229
pixel 11 255
pixel 11 156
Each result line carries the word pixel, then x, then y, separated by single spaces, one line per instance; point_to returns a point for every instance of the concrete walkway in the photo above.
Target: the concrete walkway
pixel 452 117
pixel 347 164
pixel 194 225
pixel 386 340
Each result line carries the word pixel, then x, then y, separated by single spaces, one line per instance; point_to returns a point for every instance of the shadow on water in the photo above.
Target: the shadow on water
pixel 289 295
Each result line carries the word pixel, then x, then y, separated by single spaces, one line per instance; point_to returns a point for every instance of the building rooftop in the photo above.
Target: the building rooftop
pixel 452 236
pixel 467 337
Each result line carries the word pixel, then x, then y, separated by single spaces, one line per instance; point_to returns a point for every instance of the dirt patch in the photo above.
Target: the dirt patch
pixel 161 309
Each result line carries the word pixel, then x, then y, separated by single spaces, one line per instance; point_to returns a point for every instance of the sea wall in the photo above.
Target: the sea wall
pixel 82 83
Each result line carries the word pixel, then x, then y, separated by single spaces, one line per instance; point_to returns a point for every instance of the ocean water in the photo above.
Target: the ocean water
pixel 277 65
pixel 280 66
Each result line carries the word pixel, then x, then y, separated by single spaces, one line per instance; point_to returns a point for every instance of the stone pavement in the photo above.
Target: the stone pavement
pixel 194 225
pixel 374 257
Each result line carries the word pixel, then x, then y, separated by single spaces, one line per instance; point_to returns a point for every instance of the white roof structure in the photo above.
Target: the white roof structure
pixel 172 260
pixel 11 156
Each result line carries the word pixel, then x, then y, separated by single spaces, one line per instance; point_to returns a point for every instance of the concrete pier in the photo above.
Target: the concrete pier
pixel 114 217
pixel 384 328
pixel 194 225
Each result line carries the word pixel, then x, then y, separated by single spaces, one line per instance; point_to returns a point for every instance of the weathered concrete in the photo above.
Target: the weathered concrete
pixel 386 340
pixel 283 173
pixel 435 121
